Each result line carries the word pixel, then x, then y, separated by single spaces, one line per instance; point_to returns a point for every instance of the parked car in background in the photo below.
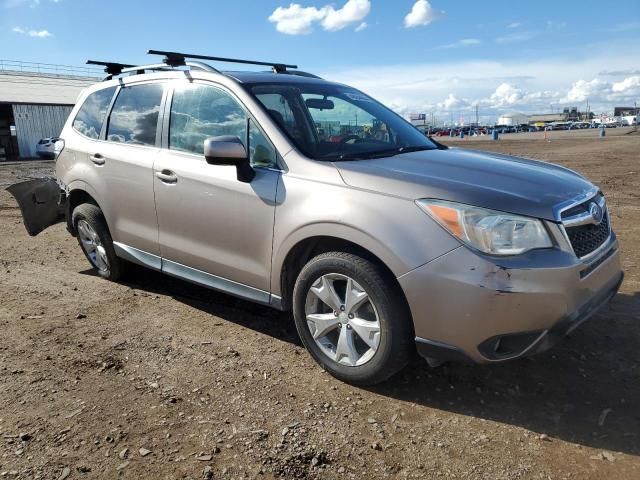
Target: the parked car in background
pixel 45 148
pixel 380 242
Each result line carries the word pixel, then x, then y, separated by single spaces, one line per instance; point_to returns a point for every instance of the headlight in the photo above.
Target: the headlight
pixel 490 231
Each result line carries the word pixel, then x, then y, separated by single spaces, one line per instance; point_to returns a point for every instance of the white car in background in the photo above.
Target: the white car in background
pixel 46 148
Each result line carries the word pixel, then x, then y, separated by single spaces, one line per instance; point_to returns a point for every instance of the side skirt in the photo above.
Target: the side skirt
pixel 197 277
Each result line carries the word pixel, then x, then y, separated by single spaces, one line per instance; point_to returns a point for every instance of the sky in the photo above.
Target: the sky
pixel 418 56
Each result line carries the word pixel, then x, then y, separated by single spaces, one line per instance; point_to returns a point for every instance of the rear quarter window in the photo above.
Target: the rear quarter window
pixel 91 115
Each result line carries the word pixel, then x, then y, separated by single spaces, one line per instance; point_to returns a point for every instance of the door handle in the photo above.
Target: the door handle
pixel 97 159
pixel 167 176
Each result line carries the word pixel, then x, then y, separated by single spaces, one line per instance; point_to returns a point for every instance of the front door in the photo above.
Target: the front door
pixel 214 229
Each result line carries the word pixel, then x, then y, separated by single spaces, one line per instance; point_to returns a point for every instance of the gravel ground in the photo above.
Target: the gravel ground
pixel 156 378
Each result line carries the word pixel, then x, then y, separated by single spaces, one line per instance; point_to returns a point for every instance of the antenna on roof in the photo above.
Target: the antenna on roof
pixel 176 59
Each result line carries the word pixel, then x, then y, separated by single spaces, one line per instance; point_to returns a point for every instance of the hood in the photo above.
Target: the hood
pixel 489 180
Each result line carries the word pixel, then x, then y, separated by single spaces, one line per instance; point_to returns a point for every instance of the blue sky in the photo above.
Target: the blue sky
pixel 417 55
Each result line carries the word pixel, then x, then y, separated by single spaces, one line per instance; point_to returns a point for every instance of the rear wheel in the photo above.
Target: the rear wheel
pixel 95 240
pixel 351 318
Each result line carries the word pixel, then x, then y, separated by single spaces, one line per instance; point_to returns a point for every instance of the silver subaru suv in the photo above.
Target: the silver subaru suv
pixel 309 196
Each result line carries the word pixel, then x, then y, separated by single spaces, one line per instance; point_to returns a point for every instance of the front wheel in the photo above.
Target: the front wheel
pixel 351 318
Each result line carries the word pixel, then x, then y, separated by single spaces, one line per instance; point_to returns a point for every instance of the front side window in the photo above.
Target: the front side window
pixel 334 122
pixel 201 111
pixel 91 115
pixel 134 117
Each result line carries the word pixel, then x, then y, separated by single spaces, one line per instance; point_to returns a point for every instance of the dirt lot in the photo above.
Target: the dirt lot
pixel 155 378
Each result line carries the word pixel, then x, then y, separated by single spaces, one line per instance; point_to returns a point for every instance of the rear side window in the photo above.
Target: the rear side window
pixel 134 117
pixel 91 115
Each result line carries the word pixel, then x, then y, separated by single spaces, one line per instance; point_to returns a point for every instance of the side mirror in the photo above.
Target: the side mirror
pixel 229 150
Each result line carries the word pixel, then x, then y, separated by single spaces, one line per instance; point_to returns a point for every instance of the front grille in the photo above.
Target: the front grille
pixel 587 238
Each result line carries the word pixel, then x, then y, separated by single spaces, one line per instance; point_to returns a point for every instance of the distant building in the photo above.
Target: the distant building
pixel 626 111
pixel 546 118
pixel 513 118
pixel 35 105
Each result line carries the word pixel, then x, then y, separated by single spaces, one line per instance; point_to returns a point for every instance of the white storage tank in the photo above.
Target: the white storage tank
pixel 513 119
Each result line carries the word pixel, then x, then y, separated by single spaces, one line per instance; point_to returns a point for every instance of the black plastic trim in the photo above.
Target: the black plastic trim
pixel 430 349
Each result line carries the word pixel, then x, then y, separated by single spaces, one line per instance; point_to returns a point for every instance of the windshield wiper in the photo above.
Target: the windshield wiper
pixel 390 152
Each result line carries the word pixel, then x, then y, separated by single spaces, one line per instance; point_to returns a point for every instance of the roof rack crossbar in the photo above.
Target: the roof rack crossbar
pixel 177 59
pixel 111 68
pixel 143 68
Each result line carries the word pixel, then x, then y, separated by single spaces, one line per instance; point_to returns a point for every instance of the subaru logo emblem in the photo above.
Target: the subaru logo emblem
pixel 596 213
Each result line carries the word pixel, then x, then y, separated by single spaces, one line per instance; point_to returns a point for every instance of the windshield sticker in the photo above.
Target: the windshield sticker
pixel 358 97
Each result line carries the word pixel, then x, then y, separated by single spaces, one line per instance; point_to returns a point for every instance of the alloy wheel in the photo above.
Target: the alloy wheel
pixel 342 319
pixel 92 245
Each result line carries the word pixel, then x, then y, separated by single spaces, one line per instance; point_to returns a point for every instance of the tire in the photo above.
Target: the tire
pixel 95 241
pixel 371 344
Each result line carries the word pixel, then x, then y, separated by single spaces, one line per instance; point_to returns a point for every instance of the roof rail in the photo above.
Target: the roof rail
pixel 113 69
pixel 175 59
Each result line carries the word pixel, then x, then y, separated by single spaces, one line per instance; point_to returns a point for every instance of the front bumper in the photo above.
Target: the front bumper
pixel 469 307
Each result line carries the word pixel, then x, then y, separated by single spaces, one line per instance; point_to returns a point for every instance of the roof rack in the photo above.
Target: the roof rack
pixel 175 59
pixel 111 68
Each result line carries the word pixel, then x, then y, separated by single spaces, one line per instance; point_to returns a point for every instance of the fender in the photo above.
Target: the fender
pixel 339 231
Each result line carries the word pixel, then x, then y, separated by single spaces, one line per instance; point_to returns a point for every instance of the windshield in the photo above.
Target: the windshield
pixel 334 122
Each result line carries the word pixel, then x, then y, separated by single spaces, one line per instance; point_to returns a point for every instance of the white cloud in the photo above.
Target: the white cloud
pixel 32 33
pixel 298 20
pixel 465 42
pixel 528 86
pixel 22 3
pixel 551 25
pixel 352 12
pixel 514 25
pixel 421 14
pixel 630 84
pixel 505 95
pixel 453 103
pixel 40 33
pixel 582 90
pixel 361 27
pixel 515 37
pixel 623 27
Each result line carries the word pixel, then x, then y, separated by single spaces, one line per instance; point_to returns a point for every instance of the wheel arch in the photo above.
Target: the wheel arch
pixel 77 196
pixel 307 248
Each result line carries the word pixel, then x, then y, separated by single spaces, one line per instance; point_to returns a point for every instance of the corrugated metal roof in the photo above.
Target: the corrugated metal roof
pixel 41 88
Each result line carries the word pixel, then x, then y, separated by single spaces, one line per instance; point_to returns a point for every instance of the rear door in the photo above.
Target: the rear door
pixel 124 162
pixel 217 227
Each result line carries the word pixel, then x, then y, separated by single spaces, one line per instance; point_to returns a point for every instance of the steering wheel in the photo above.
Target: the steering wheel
pixel 348 138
